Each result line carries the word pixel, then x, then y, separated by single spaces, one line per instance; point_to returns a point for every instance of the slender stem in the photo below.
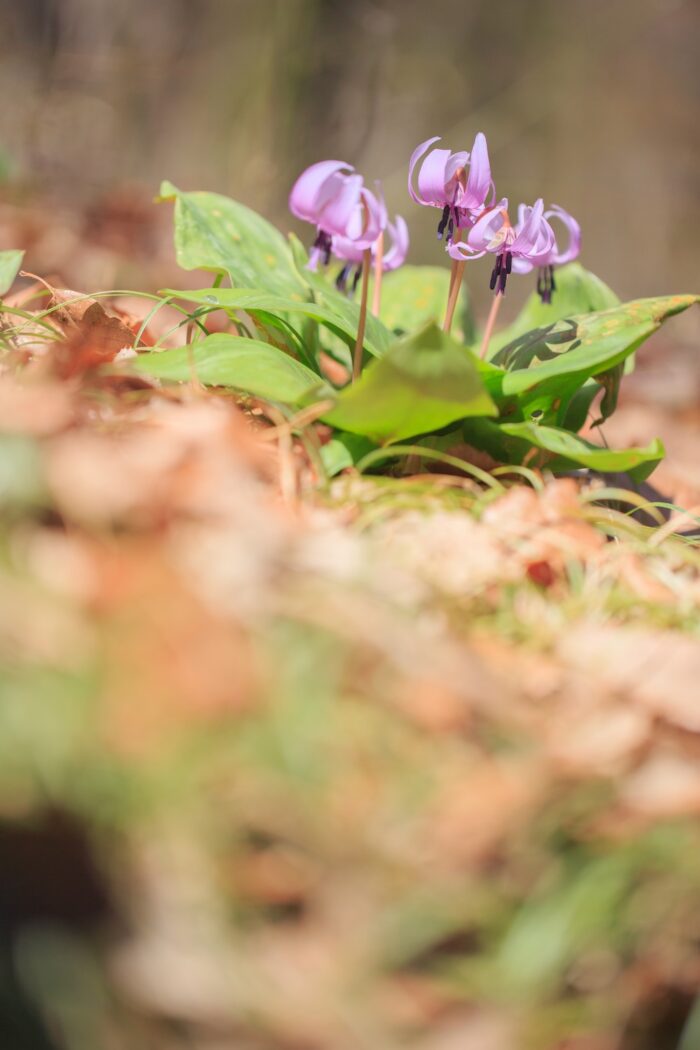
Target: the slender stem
pixel 455 286
pixel 456 275
pixel 357 356
pixel 490 324
pixel 378 271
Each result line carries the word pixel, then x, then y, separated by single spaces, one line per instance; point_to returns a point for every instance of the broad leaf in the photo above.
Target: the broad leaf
pixel 559 450
pixel 578 291
pixel 10 262
pixel 344 450
pixel 548 365
pixel 245 364
pixel 342 316
pixel 414 295
pixel 216 233
pixel 423 383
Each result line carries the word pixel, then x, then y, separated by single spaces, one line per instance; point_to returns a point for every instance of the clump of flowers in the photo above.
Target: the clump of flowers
pixel 352 223
pixel 461 185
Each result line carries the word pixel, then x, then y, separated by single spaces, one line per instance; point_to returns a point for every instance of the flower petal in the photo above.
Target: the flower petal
pixel 396 256
pixel 342 213
pixel 431 178
pixel 534 236
pixel 315 187
pixel 415 157
pixel 479 182
pixel 574 230
pixel 491 229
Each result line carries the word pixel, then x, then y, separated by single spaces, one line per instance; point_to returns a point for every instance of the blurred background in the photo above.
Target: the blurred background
pixel 270 781
pixel 592 104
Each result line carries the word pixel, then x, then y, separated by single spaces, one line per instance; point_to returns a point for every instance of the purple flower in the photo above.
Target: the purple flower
pixel 352 254
pixel 459 183
pixel 529 242
pixel 556 256
pixel 333 197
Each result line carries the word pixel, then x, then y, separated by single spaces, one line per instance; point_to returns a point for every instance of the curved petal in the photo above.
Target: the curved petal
pixel 315 187
pixel 491 229
pixel 521 265
pixel 529 231
pixel 348 250
pixel 415 157
pixel 396 256
pixel 462 250
pixel 373 218
pixel 574 230
pixel 431 178
pixel 342 213
pixel 479 181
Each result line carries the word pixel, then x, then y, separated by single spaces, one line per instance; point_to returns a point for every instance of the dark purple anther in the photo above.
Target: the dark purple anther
pixel 443 221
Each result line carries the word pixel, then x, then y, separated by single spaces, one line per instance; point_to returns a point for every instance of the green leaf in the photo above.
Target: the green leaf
pixel 216 233
pixel 342 316
pixel 578 291
pixel 551 364
pixel 414 295
pixel 10 262
pixel 560 450
pixel 344 450
pixel 423 383
pixel 245 364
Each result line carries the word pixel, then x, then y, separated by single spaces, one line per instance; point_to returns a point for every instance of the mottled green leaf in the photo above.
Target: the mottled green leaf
pixel 544 368
pixel 559 450
pixel 578 291
pixel 216 233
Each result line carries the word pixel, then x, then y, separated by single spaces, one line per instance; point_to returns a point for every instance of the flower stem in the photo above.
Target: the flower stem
pixel 456 275
pixel 357 356
pixel 490 324
pixel 378 270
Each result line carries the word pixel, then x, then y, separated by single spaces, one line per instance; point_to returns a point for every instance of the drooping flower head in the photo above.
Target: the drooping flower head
pixel 528 243
pixel 333 197
pixel 458 183
pixel 352 254
pixel 557 256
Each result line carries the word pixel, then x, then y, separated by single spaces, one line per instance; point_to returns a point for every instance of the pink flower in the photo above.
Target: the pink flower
pixel 333 197
pixel 352 254
pixel 529 243
pixel 556 256
pixel 459 183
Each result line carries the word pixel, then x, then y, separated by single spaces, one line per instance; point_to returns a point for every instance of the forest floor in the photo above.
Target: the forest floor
pixel 389 762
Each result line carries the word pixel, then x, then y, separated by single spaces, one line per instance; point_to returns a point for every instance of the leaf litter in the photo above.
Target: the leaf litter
pixel 341 748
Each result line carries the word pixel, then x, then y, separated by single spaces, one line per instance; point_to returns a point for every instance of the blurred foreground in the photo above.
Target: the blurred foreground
pixel 402 764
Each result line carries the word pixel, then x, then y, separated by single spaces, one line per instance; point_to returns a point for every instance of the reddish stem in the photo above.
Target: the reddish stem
pixel 378 271
pixel 490 325
pixel 357 356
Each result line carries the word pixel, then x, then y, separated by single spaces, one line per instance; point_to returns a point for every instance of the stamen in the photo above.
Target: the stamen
pixel 502 281
pixel 342 278
pixel 324 244
pixel 509 262
pixel 443 221
pixel 356 278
